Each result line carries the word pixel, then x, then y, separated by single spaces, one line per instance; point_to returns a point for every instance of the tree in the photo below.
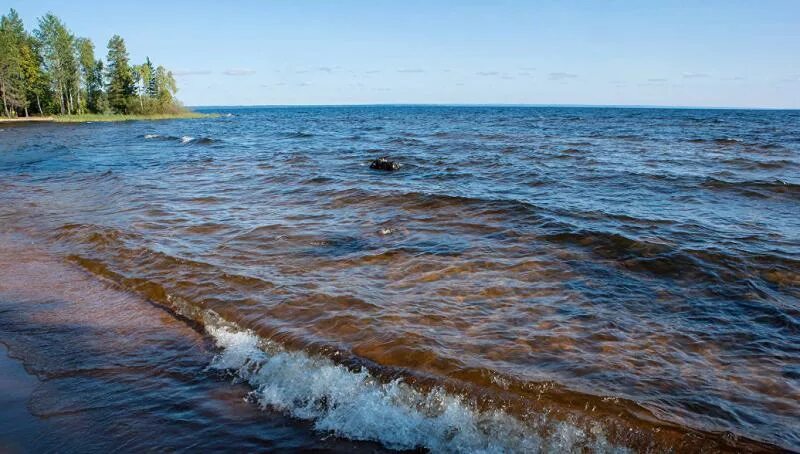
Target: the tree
pixel 100 102
pixel 152 87
pixel 52 71
pixel 120 77
pixel 36 81
pixel 12 77
pixel 60 62
pixel 165 88
pixel 84 48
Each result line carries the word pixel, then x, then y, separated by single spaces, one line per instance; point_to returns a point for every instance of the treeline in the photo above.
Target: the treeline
pixel 51 71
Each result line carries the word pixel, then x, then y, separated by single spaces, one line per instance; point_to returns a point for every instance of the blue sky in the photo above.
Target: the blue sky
pixel 688 53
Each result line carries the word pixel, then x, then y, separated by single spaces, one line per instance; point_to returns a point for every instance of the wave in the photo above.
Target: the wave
pixel 340 392
pixel 297 135
pixel 754 188
pixel 405 141
pixel 752 164
pixel 718 141
pixel 359 406
pixel 183 139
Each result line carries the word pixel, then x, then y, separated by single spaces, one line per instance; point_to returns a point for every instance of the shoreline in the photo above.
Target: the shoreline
pixel 85 118
pixel 95 367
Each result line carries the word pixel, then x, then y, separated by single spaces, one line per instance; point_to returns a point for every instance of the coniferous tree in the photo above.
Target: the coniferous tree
pixel 152 88
pixel 101 100
pixel 120 77
pixel 12 77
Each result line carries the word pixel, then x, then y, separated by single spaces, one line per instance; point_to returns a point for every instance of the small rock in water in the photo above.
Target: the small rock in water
pixel 384 164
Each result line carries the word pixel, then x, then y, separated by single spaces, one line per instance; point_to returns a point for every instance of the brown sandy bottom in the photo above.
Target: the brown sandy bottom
pixel 106 370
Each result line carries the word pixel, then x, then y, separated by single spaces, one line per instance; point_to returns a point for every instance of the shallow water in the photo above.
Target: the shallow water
pixel 530 279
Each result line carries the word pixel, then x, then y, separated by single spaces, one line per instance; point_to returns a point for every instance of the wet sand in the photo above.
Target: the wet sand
pixel 18 427
pixel 117 373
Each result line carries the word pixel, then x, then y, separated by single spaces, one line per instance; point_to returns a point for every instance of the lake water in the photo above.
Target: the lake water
pixel 530 279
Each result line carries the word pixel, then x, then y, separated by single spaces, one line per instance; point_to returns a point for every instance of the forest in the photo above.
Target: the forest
pixel 50 71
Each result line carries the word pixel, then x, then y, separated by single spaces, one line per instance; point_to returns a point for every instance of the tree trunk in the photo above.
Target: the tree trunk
pixel 61 97
pixel 26 111
pixel 5 103
pixel 39 104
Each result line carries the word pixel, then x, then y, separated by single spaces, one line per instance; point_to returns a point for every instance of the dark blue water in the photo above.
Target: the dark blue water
pixel 529 279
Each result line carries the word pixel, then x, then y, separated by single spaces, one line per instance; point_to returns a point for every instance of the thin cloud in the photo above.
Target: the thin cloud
pixel 790 79
pixel 239 72
pixel 191 72
pixel 499 74
pixel 411 70
pixel 561 76
pixel 322 69
pixel 695 75
pixel 658 80
pixel 528 68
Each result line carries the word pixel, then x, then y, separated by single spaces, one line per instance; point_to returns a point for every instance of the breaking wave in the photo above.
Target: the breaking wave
pixel 356 405
pixel 183 139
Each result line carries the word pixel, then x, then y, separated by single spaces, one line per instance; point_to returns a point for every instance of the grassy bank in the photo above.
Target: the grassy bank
pixel 25 119
pixel 106 117
pixel 114 117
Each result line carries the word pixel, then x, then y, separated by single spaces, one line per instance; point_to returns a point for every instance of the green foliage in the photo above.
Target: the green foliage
pixel 13 88
pixel 60 61
pixel 128 117
pixel 52 71
pixel 120 78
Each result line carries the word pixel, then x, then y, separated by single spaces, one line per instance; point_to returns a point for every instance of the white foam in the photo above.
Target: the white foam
pixel 186 139
pixel 356 405
pixel 151 136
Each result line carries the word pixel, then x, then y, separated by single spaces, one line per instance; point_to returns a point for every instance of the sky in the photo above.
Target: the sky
pixel 712 53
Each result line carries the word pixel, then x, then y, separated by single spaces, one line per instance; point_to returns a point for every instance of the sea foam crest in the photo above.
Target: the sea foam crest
pixel 186 139
pixel 356 405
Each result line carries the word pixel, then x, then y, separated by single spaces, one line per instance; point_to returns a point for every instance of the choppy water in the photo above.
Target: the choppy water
pixel 530 279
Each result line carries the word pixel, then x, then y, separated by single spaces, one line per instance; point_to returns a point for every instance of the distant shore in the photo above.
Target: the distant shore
pixel 83 118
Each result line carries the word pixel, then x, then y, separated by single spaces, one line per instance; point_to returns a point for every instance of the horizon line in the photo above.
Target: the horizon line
pixel 599 106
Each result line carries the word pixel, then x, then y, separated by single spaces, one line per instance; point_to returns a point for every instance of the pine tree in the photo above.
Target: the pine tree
pixel 12 56
pixel 152 88
pixel 120 77
pixel 101 99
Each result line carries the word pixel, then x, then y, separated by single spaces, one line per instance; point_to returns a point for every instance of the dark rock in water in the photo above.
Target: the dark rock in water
pixel 384 164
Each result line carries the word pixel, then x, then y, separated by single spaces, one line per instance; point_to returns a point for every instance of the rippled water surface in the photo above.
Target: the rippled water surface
pixel 530 279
